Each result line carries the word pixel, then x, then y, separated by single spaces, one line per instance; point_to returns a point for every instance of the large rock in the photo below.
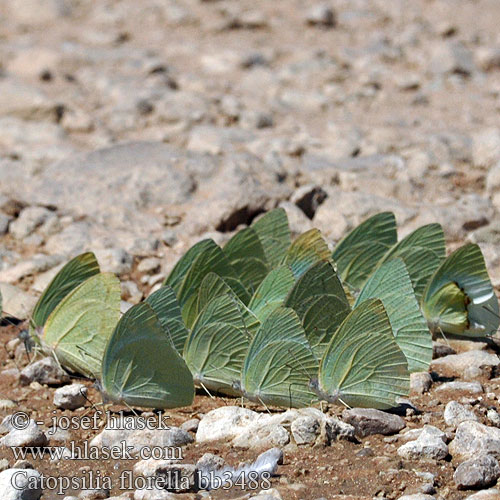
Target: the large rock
pixel 456 413
pixel 44 371
pixel 26 102
pixel 137 438
pixel 117 190
pixel 457 364
pixel 20 484
pixel 473 439
pixel 16 302
pixel 369 421
pixel 491 494
pixel 70 397
pixel 477 473
pixel 430 444
pixel 24 433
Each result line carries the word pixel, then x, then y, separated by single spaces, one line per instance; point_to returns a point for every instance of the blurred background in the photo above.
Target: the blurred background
pixel 136 128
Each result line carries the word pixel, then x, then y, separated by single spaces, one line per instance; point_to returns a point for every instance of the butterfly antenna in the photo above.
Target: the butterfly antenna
pixel 206 390
pixel 92 405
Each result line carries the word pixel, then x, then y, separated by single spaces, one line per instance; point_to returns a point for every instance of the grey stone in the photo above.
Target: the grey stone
pixel 263 436
pixel 429 445
pixel 97 494
pixel 336 430
pixel 24 101
pixel 131 292
pixel 456 413
pixel 486 147
pixel 305 429
pixel 29 219
pixel 417 496
pixel 493 417
pixel 20 484
pixel 452 58
pixel 477 473
pixel 491 494
pixel 45 371
pixel 369 421
pixel 154 494
pixel 420 382
pixel 321 15
pixel 72 240
pixel 458 386
pixel 31 435
pixel 456 364
pixel 138 438
pixel 16 303
pixel 4 223
pixel 119 194
pixel 473 439
pixel 38 264
pixel 224 424
pixel 114 260
pixel 70 397
pixel 150 265
pixel 190 425
pixel 488 58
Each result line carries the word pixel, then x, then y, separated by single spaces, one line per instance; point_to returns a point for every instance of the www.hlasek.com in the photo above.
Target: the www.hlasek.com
pixel 175 481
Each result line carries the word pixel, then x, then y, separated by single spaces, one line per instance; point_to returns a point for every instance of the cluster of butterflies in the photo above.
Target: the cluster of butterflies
pixel 279 322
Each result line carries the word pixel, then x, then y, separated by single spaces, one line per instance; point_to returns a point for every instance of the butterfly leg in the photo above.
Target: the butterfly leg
pixel 206 390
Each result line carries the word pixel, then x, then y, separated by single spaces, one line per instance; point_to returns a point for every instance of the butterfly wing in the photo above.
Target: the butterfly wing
pixel 308 249
pixel 363 366
pixel 392 285
pixel 359 252
pixel 279 363
pixel 165 305
pixel 274 234
pixel 320 302
pixel 460 298
pixel 141 367
pixel 272 292
pixel 79 327
pixel 73 274
pixel 422 251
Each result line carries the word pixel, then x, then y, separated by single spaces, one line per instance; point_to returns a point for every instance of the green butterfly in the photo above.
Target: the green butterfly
pixel 320 302
pixel 363 365
pixel 459 298
pixel 359 252
pixel 165 305
pixel 216 347
pixel 308 249
pixel 189 272
pixel 273 232
pixel 78 328
pixel 246 254
pixel 272 292
pixel 392 285
pixel 74 273
pixel 422 251
pixel 141 366
pixel 279 363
